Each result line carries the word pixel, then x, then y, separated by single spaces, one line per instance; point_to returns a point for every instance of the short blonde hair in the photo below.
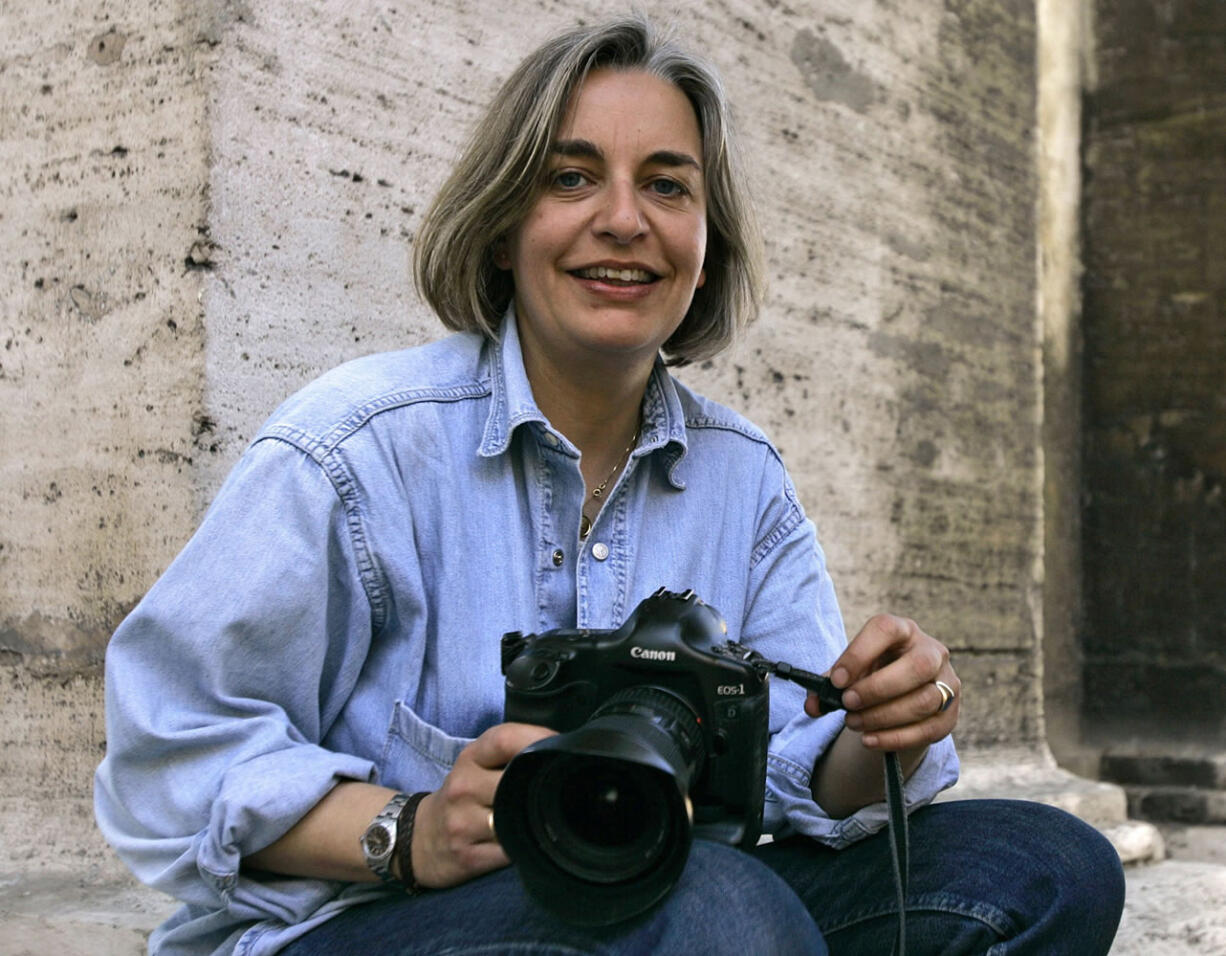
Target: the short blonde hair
pixel 499 175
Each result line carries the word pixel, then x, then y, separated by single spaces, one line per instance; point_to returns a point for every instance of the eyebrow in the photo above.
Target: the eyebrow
pixel 586 149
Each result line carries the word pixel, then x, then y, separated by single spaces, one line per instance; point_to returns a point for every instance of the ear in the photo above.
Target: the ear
pixel 702 278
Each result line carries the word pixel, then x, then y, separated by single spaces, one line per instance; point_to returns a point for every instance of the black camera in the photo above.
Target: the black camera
pixel 662 737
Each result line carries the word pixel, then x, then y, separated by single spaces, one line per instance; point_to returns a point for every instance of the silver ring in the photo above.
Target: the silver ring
pixel 947 695
pixel 490 823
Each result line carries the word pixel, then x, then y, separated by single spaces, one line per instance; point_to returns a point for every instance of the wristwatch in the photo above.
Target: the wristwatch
pixel 379 840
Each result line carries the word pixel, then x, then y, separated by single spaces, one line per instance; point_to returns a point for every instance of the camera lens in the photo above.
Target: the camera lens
pixel 598 820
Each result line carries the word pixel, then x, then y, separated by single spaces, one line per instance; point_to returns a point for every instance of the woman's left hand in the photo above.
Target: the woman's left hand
pixel 888 675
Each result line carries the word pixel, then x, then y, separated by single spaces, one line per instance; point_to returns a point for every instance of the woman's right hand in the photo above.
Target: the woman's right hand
pixel 453 840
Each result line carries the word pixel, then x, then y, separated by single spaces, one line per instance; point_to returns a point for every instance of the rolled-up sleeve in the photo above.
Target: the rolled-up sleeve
pixel 222 682
pixel 792 615
pixel 789 771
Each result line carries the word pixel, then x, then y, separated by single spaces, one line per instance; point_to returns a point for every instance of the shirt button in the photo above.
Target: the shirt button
pixel 600 551
pixel 551 439
pixel 558 558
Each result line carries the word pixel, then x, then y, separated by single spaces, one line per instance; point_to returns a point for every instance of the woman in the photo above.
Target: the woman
pixel 319 670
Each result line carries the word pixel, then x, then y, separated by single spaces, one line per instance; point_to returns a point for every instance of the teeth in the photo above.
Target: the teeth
pixel 622 275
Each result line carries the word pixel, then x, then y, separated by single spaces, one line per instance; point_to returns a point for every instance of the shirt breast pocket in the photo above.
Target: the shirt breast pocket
pixel 417 755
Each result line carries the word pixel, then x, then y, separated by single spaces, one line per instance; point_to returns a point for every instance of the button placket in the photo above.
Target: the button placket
pixel 603 565
pixel 552 469
pixel 600 549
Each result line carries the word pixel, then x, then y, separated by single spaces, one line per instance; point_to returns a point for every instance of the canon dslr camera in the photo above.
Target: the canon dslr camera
pixel 663 735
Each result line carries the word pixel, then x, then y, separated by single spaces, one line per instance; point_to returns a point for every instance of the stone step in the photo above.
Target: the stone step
pixel 1169 782
pixel 1160 767
pixel 1177 804
pixel 1202 844
pixel 1034 775
pixel 1136 841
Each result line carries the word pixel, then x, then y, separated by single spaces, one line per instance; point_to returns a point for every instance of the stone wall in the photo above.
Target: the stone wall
pixel 216 201
pixel 1155 340
pixel 104 167
pixel 1064 34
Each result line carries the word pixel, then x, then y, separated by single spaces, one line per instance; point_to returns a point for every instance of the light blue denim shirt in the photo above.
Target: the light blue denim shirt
pixel 338 615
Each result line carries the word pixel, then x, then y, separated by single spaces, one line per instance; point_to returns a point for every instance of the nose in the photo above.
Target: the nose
pixel 620 216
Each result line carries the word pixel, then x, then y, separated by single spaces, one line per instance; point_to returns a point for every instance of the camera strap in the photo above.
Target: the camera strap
pixel 831 699
pixel 899 843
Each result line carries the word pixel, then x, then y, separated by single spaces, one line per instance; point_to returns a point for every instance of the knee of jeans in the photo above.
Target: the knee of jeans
pixel 1094 863
pixel 741 905
pixel 1076 858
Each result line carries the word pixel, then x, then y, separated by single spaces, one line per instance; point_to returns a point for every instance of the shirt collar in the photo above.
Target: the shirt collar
pixel 664 422
pixel 512 404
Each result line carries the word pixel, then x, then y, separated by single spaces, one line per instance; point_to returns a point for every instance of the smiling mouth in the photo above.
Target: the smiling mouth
pixel 616 276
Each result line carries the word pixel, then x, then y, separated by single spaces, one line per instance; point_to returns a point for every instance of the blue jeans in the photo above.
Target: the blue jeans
pixel 987 876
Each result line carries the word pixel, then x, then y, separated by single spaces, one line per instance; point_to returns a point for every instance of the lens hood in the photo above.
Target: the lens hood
pixel 597 820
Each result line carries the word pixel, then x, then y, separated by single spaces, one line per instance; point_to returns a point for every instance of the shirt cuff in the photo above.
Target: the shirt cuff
pixel 259 801
pixel 790 807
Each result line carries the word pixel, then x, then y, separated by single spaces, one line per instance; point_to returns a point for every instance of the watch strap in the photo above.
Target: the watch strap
pixel 404 843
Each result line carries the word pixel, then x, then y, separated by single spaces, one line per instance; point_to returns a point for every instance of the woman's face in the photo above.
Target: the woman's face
pixel 608 258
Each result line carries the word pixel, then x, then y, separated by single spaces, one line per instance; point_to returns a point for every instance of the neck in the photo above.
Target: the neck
pixel 596 409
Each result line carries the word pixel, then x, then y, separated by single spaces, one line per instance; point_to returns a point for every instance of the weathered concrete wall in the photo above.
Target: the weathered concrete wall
pixel 1155 339
pixel 103 174
pixel 105 160
pixel 897 364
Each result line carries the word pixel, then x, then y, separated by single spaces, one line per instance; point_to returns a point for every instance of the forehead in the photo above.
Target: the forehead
pixel 632 110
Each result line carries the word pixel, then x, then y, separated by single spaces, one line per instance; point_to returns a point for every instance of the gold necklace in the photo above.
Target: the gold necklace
pixel 585 523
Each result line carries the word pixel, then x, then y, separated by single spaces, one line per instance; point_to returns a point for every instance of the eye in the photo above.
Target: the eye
pixel 668 188
pixel 569 179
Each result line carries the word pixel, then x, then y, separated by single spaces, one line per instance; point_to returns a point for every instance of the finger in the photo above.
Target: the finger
pixel 466 859
pixel 919 666
pixel 915 735
pixel 478 827
pixel 882 730
pixel 880 635
pixel 918 705
pixel 453 842
pixel 494 749
pixel 473 780
pixel 480 858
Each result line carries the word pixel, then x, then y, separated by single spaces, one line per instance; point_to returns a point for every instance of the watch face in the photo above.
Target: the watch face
pixel 378 841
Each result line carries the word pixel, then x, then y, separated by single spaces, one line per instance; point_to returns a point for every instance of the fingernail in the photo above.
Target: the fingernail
pixel 839 677
pixel 851 700
pixel 870 740
pixel 854 721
